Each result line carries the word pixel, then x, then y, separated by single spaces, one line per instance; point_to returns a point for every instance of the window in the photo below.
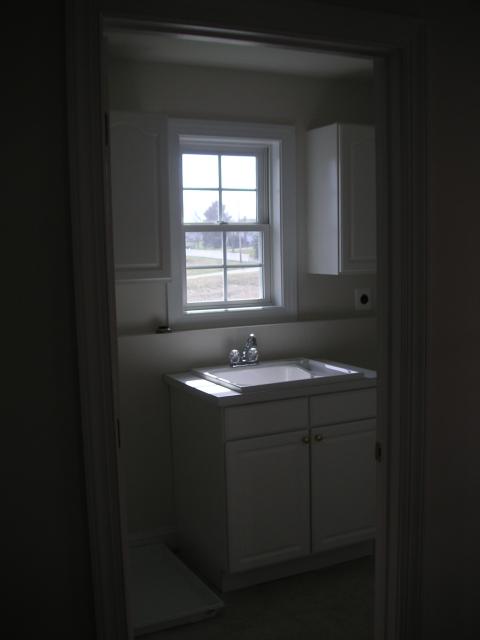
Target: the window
pixel 232 220
pixel 225 227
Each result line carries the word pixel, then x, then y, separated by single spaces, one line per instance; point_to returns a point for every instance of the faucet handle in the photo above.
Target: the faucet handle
pixel 252 355
pixel 251 341
pixel 234 357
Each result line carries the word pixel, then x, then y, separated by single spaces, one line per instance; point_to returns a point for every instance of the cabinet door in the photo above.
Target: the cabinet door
pixel 341 199
pixel 343 484
pixel 357 198
pixel 138 172
pixel 267 500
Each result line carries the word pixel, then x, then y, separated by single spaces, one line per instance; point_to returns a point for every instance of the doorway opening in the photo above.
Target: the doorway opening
pixel 211 85
pixel 398 49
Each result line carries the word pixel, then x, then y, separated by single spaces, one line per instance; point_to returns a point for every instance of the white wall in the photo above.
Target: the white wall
pixel 328 325
pixel 200 92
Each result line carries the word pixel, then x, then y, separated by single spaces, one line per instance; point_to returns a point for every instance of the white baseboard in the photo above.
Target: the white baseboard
pixel 166 535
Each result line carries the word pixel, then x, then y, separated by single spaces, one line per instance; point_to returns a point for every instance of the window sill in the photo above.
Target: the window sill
pixel 213 318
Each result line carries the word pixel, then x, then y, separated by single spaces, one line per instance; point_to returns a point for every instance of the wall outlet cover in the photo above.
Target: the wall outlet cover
pixel 363 299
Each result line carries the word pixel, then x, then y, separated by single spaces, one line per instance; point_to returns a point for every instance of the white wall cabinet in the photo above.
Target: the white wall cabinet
pixel 341 199
pixel 263 485
pixel 138 173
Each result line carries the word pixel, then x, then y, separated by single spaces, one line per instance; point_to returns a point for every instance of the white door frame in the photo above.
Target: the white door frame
pixel 399 50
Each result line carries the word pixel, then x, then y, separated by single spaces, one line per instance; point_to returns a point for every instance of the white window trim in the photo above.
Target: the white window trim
pixel 283 244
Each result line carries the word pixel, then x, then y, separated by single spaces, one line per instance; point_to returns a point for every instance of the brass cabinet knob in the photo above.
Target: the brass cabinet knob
pixel 318 437
pixel 306 439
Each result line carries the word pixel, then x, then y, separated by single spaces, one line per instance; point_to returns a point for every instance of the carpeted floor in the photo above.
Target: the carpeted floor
pixel 335 603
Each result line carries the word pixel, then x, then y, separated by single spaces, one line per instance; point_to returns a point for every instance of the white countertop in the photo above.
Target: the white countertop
pixel 191 383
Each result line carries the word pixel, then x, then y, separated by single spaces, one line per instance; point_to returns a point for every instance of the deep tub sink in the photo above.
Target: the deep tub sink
pixel 270 375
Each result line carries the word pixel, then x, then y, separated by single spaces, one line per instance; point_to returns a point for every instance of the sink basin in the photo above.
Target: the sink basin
pixel 266 375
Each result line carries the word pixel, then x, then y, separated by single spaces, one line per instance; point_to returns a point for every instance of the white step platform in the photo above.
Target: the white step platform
pixel 164 592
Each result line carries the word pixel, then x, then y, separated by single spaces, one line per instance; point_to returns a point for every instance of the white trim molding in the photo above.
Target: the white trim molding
pixel 280 142
pixel 94 305
pixel 402 285
pixel 398 46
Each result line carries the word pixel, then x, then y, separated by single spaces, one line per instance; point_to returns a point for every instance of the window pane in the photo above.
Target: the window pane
pixel 239 172
pixel 244 247
pixel 245 283
pixel 203 248
pixel 199 171
pixel 204 285
pixel 200 206
pixel 239 206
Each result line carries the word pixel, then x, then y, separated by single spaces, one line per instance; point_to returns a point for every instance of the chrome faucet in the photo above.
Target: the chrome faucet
pixel 248 355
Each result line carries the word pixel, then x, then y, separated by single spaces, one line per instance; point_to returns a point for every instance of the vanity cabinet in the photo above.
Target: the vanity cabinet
pixel 267 485
pixel 341 199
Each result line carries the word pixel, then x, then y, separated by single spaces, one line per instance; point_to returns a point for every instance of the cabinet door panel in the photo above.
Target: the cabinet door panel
pixel 358 209
pixel 137 169
pixel 343 484
pixel 341 199
pixel 267 500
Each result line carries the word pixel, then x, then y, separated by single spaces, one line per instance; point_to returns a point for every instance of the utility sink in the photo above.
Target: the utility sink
pixel 271 375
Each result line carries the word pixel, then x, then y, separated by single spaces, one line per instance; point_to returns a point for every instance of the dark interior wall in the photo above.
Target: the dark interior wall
pixel 452 484
pixel 45 561
pixel 46 564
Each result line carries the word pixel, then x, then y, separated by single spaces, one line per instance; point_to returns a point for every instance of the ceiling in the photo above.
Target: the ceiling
pixel 202 51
